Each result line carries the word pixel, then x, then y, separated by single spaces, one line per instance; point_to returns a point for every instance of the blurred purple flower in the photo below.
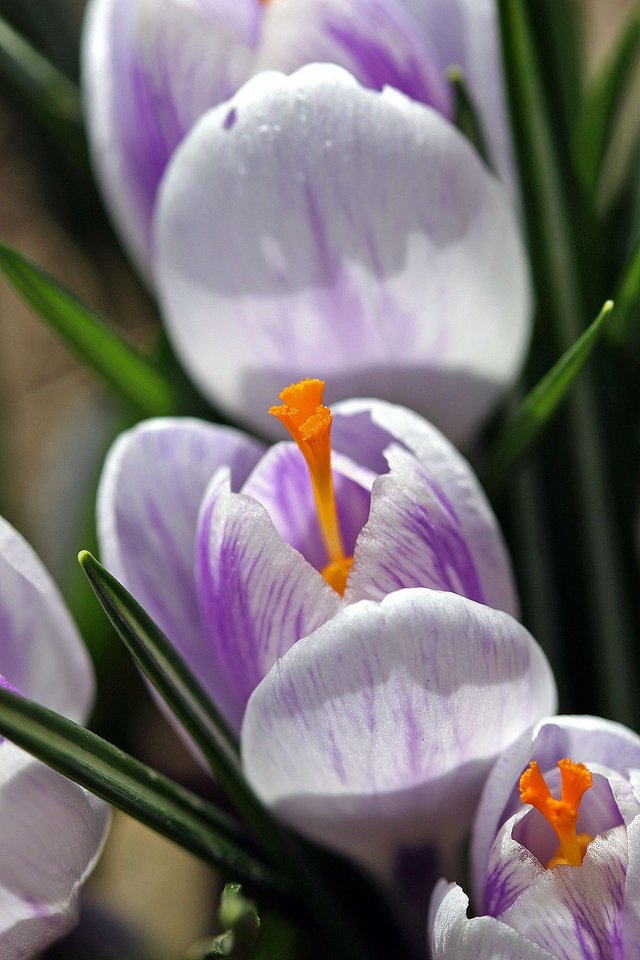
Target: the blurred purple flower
pixel 153 67
pixel 363 729
pixel 531 907
pixel 51 830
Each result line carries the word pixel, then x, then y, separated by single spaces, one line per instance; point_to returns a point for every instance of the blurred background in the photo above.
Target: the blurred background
pixel 55 425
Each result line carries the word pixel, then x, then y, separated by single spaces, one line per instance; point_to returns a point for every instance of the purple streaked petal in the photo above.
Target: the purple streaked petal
pixel 365 735
pixel 631 934
pixel 378 41
pixel 431 524
pixel 42 653
pixel 281 483
pixel 454 937
pixel 576 912
pixel 412 539
pixel 51 834
pixel 153 482
pixel 150 69
pixel 466 33
pixel 324 234
pixel 585 739
pixel 258 595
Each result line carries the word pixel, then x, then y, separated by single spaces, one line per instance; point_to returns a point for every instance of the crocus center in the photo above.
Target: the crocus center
pixel 562 814
pixel 309 423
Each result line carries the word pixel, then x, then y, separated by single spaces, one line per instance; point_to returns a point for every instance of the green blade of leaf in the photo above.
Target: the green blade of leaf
pixel 559 27
pixel 466 115
pixel 601 106
pixel 627 300
pixel 553 230
pixel 96 342
pixel 52 99
pixel 538 407
pixel 159 660
pixel 144 794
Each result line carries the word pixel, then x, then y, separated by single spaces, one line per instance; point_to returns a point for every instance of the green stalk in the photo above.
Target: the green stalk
pixel 553 252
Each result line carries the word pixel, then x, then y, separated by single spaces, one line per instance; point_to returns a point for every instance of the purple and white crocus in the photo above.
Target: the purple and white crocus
pixel 532 904
pixel 153 67
pixel 51 830
pixel 361 710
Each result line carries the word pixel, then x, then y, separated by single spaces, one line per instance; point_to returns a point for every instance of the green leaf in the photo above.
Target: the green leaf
pixel 159 660
pixel 538 407
pixel 601 106
pixel 559 28
pixel 553 226
pixel 465 114
pixel 96 342
pixel 241 923
pixel 627 299
pixel 52 99
pixel 144 794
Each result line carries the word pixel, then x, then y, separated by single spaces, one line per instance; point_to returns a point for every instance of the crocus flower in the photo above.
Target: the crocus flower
pixel 363 729
pixel 153 67
pixel 51 831
pixel 310 221
pixel 556 851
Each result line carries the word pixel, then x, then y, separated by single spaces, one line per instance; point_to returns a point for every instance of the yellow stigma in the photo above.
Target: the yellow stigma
pixel 309 423
pixel 562 814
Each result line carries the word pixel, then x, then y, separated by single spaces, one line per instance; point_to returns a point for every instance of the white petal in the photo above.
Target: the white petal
pixel 152 485
pixel 258 595
pixel 51 834
pixel 365 735
pixel 311 227
pixel 42 653
pixel 430 524
pixel 454 937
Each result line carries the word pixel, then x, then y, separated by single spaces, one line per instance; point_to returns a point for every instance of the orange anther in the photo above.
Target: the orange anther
pixel 309 423
pixel 562 814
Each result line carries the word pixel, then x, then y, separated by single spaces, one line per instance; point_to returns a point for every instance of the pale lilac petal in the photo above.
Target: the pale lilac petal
pixel 51 834
pixel 323 233
pixel 430 523
pixel 150 69
pixel 454 937
pixel 588 740
pixel 466 33
pixel 41 653
pixel 152 485
pixel 576 913
pixel 631 929
pixel 378 41
pixel 366 736
pixel 258 595
pixel 281 483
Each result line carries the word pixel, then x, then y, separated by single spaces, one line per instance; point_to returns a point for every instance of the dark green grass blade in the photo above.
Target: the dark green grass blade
pixel 96 342
pixel 144 794
pixel 538 407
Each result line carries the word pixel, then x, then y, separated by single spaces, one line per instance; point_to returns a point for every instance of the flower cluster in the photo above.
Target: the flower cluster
pixel 291 183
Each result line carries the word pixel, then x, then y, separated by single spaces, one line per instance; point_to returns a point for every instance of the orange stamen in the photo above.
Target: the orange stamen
pixel 562 814
pixel 309 423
